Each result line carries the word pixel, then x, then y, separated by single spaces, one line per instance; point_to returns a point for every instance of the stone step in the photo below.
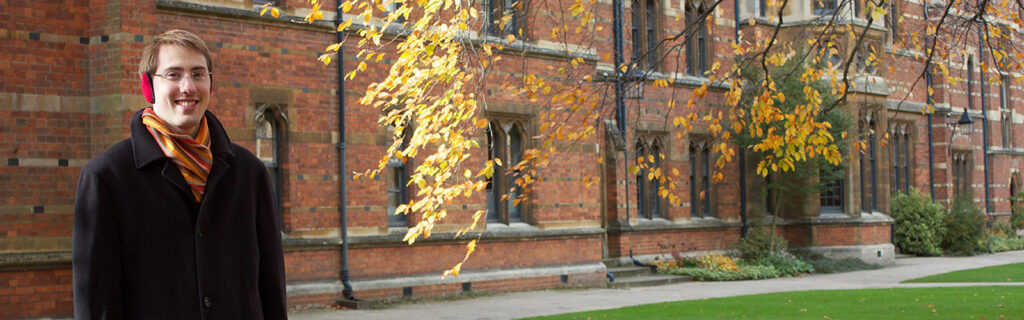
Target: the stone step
pixel 646 281
pixel 611 263
pixel 627 272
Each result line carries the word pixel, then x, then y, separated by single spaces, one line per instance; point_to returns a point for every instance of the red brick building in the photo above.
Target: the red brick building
pixel 68 87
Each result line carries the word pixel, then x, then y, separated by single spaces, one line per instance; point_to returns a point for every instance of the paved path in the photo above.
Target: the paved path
pixel 538 303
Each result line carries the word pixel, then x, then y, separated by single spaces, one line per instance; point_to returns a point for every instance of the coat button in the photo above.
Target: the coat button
pixel 201 234
pixel 207 302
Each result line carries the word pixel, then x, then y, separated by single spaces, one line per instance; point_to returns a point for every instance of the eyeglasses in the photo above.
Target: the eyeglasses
pixel 177 76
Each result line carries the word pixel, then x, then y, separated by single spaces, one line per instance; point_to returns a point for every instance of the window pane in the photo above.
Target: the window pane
pixel 655 200
pixel 266 141
pixel 493 138
pixel 515 204
pixel 705 184
pixel 641 183
pixel 832 192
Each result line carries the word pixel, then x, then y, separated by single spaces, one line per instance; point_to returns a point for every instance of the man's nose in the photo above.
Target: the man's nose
pixel 187 85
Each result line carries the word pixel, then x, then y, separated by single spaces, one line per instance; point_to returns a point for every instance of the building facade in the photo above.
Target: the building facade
pixel 69 86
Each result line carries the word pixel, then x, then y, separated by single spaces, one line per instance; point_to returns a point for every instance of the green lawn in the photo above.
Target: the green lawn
pixel 900 303
pixel 1004 273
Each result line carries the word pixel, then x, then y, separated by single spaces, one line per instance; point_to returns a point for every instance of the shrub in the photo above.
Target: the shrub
pixel 964 228
pixel 745 273
pixel 1000 229
pixel 678 261
pixel 1017 215
pixel 717 262
pixel 999 244
pixel 823 264
pixel 758 244
pixel 918 224
pixel 787 265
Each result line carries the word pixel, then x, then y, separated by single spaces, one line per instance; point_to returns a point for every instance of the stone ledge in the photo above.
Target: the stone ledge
pixel 25 261
pixel 335 286
pixel 877 254
pixel 495 233
pixel 876 218
pixel 660 225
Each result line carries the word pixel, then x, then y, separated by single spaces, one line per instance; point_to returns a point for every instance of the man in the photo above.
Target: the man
pixel 177 222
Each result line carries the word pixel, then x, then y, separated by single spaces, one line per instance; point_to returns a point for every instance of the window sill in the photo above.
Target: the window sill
pixel 660 225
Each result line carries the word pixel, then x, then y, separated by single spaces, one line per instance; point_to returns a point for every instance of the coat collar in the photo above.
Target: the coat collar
pixel 145 149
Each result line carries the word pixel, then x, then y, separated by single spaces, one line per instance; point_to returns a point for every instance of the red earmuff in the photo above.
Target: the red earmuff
pixel 146 83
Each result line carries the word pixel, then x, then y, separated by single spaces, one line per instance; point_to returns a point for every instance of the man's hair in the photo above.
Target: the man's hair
pixel 182 38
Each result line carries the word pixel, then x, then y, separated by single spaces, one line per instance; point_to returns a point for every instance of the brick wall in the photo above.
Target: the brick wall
pixel 25 294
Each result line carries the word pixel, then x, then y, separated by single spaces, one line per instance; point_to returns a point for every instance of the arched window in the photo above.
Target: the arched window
pixel 899 146
pixel 868 166
pixel 506 142
pixel 270 124
pixel 648 179
pixel 698 44
pixel 398 182
pixel 700 178
pixel 645 28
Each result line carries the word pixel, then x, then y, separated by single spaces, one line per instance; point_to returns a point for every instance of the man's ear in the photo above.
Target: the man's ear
pixel 146 83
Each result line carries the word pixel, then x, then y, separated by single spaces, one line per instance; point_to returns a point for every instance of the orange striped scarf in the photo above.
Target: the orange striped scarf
pixel 193 156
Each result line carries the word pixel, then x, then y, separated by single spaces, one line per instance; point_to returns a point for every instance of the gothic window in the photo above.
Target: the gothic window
pixel 698 44
pixel 867 59
pixel 831 196
pixel 961 173
pixel 506 17
pixel 700 178
pixel 825 7
pixel 649 152
pixel 892 18
pixel 506 142
pixel 899 146
pixel 645 29
pixel 868 167
pixel 260 3
pixel 270 121
pixel 398 183
pixel 392 7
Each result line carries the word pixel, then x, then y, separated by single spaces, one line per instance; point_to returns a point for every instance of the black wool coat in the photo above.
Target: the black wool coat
pixel 143 248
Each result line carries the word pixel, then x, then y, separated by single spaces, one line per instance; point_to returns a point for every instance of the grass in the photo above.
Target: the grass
pixel 897 303
pixel 1004 273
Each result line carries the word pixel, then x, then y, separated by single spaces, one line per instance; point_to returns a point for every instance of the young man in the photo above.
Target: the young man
pixel 177 222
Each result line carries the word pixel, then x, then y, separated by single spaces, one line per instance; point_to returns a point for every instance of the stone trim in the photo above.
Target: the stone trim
pixel 496 233
pixel 662 225
pixel 334 286
pixel 26 261
pixel 46 162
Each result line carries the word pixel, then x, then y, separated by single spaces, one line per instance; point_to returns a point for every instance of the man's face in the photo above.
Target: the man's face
pixel 181 103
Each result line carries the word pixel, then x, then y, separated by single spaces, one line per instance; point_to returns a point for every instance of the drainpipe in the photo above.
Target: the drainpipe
pixel 620 104
pixel 342 176
pixel 742 156
pixel 984 120
pixel 931 146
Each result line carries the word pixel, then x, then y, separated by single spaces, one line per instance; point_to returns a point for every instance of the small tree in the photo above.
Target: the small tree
pixel 1017 215
pixel 965 227
pixel 793 82
pixel 918 224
